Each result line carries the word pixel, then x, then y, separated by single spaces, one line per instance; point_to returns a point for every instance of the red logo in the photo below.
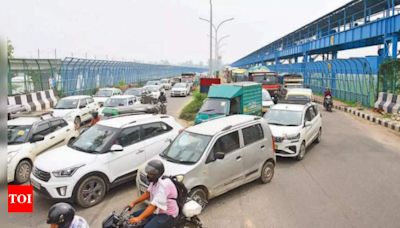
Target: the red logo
pixel 20 198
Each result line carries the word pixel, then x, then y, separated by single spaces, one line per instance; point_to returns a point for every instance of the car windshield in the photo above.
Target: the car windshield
pixel 269 80
pixel 94 139
pixel 18 134
pixel 153 88
pixel 135 92
pixel 217 106
pixel 67 104
pixel 180 85
pixel 293 97
pixel 284 117
pixel 187 148
pixel 115 102
pixel 103 93
pixel 164 81
pixel 266 96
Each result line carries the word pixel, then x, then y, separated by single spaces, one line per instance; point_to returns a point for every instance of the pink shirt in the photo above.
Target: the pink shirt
pixel 163 195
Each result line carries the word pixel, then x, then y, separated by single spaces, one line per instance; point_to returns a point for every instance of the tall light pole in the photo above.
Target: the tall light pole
pixel 210 70
pixel 216 28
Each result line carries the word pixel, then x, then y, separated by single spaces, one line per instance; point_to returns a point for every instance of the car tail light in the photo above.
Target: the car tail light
pixel 273 144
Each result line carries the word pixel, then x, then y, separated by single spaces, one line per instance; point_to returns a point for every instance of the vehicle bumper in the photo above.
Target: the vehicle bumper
pixel 175 94
pixel 287 148
pixel 51 188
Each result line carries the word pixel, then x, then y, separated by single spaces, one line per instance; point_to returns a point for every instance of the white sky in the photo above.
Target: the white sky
pixel 150 30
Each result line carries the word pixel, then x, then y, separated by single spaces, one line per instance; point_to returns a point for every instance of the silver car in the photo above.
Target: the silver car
pixel 219 155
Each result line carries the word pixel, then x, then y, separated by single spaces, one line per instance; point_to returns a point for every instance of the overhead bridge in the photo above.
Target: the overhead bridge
pixel 360 23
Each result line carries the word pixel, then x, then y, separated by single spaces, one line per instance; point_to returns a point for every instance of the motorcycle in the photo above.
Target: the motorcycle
pixel 188 218
pixel 328 103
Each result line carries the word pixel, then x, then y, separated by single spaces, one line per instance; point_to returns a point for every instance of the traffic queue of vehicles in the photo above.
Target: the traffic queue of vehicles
pixel 239 132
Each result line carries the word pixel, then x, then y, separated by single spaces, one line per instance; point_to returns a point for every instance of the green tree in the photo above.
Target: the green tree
pixel 10 49
pixel 389 76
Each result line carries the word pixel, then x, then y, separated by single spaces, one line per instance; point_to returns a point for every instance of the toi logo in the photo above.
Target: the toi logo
pixel 20 198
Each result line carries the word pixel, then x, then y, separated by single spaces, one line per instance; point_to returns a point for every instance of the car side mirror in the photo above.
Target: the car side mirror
pixel 116 148
pixel 37 138
pixel 220 155
pixel 307 124
pixel 82 106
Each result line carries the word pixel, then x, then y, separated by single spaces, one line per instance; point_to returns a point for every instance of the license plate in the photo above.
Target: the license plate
pixel 35 184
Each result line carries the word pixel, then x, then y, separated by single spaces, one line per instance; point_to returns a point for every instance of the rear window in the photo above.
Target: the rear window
pixel 252 134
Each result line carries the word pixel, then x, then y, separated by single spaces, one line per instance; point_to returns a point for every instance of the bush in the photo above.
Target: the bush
pixel 190 110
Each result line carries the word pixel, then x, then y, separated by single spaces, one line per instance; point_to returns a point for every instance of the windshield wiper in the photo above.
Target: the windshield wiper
pixel 292 125
pixel 176 160
pixel 208 110
pixel 278 124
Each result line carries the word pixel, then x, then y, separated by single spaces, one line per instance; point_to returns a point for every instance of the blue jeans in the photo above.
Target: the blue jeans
pixel 155 220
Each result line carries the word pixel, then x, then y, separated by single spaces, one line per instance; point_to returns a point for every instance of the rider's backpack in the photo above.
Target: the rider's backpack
pixel 181 190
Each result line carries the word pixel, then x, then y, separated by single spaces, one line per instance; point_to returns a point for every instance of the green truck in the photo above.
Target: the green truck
pixel 230 99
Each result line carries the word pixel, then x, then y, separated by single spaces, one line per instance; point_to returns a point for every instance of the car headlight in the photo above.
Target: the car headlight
pixel 68 172
pixel 293 137
pixel 11 155
pixel 180 178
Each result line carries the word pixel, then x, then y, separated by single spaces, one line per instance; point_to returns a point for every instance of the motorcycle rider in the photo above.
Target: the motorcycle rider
pixel 162 98
pixel 161 194
pixel 327 92
pixel 62 215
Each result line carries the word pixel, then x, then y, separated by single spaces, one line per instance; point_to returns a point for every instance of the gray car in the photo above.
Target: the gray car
pixel 219 155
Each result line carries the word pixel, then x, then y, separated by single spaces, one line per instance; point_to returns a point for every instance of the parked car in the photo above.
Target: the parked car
pixel 104 93
pixel 166 83
pixel 180 89
pixel 76 108
pixel 267 101
pixel 118 101
pixel 294 127
pixel 155 90
pixel 30 135
pixel 106 155
pixel 217 156
pixel 155 82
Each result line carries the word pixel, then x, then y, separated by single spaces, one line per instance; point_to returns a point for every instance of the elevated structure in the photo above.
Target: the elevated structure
pixel 360 23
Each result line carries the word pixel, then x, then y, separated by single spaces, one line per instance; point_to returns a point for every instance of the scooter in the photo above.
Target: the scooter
pixel 328 103
pixel 188 218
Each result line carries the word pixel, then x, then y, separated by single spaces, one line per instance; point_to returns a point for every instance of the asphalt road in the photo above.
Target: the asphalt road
pixel 350 179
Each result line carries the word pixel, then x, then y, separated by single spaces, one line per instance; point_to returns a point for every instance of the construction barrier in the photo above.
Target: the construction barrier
pixel 389 103
pixel 37 101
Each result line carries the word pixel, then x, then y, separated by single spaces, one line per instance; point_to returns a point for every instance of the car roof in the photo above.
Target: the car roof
pixel 215 126
pixel 122 96
pixel 291 107
pixel 298 91
pixel 76 97
pixel 119 122
pixel 109 89
pixel 23 121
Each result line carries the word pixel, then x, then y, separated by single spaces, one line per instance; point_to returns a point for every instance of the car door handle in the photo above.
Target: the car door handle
pixel 68 130
pixel 238 158
pixel 52 137
pixel 262 147
pixel 140 151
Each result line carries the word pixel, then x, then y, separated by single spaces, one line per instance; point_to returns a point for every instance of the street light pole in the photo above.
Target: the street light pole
pixel 211 26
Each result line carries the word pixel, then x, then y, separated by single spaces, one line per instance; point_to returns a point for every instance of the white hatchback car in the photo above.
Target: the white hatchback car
pixel 107 154
pixel 294 127
pixel 104 93
pixel 76 108
pixel 166 83
pixel 118 101
pixel 219 155
pixel 29 136
pixel 155 90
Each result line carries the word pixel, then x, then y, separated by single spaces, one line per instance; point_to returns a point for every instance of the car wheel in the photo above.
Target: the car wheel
pixel 200 196
pixel 318 139
pixel 267 172
pixel 22 172
pixel 90 191
pixel 77 122
pixel 302 152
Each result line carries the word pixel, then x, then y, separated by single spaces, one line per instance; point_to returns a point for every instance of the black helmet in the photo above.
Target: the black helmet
pixel 95 114
pixel 154 169
pixel 61 214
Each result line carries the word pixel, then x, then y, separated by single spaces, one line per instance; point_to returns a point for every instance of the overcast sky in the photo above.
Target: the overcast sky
pixel 150 30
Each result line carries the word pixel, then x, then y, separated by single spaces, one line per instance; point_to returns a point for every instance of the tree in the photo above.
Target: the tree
pixel 10 49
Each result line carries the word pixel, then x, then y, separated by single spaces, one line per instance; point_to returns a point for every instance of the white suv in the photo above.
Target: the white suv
pixel 107 154
pixel 76 108
pixel 29 136
pixel 294 127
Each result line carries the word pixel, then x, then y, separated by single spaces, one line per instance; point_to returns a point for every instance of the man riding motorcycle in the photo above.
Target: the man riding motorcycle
pixel 328 99
pixel 327 92
pixel 162 194
pixel 62 215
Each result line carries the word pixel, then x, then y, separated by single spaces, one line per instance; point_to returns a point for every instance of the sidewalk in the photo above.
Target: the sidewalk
pixel 364 113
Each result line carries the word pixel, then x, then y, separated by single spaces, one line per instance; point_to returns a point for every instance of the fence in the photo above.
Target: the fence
pixel 73 76
pixel 31 75
pixel 353 80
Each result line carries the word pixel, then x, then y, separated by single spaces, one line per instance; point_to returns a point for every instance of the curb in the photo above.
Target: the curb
pixel 380 121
